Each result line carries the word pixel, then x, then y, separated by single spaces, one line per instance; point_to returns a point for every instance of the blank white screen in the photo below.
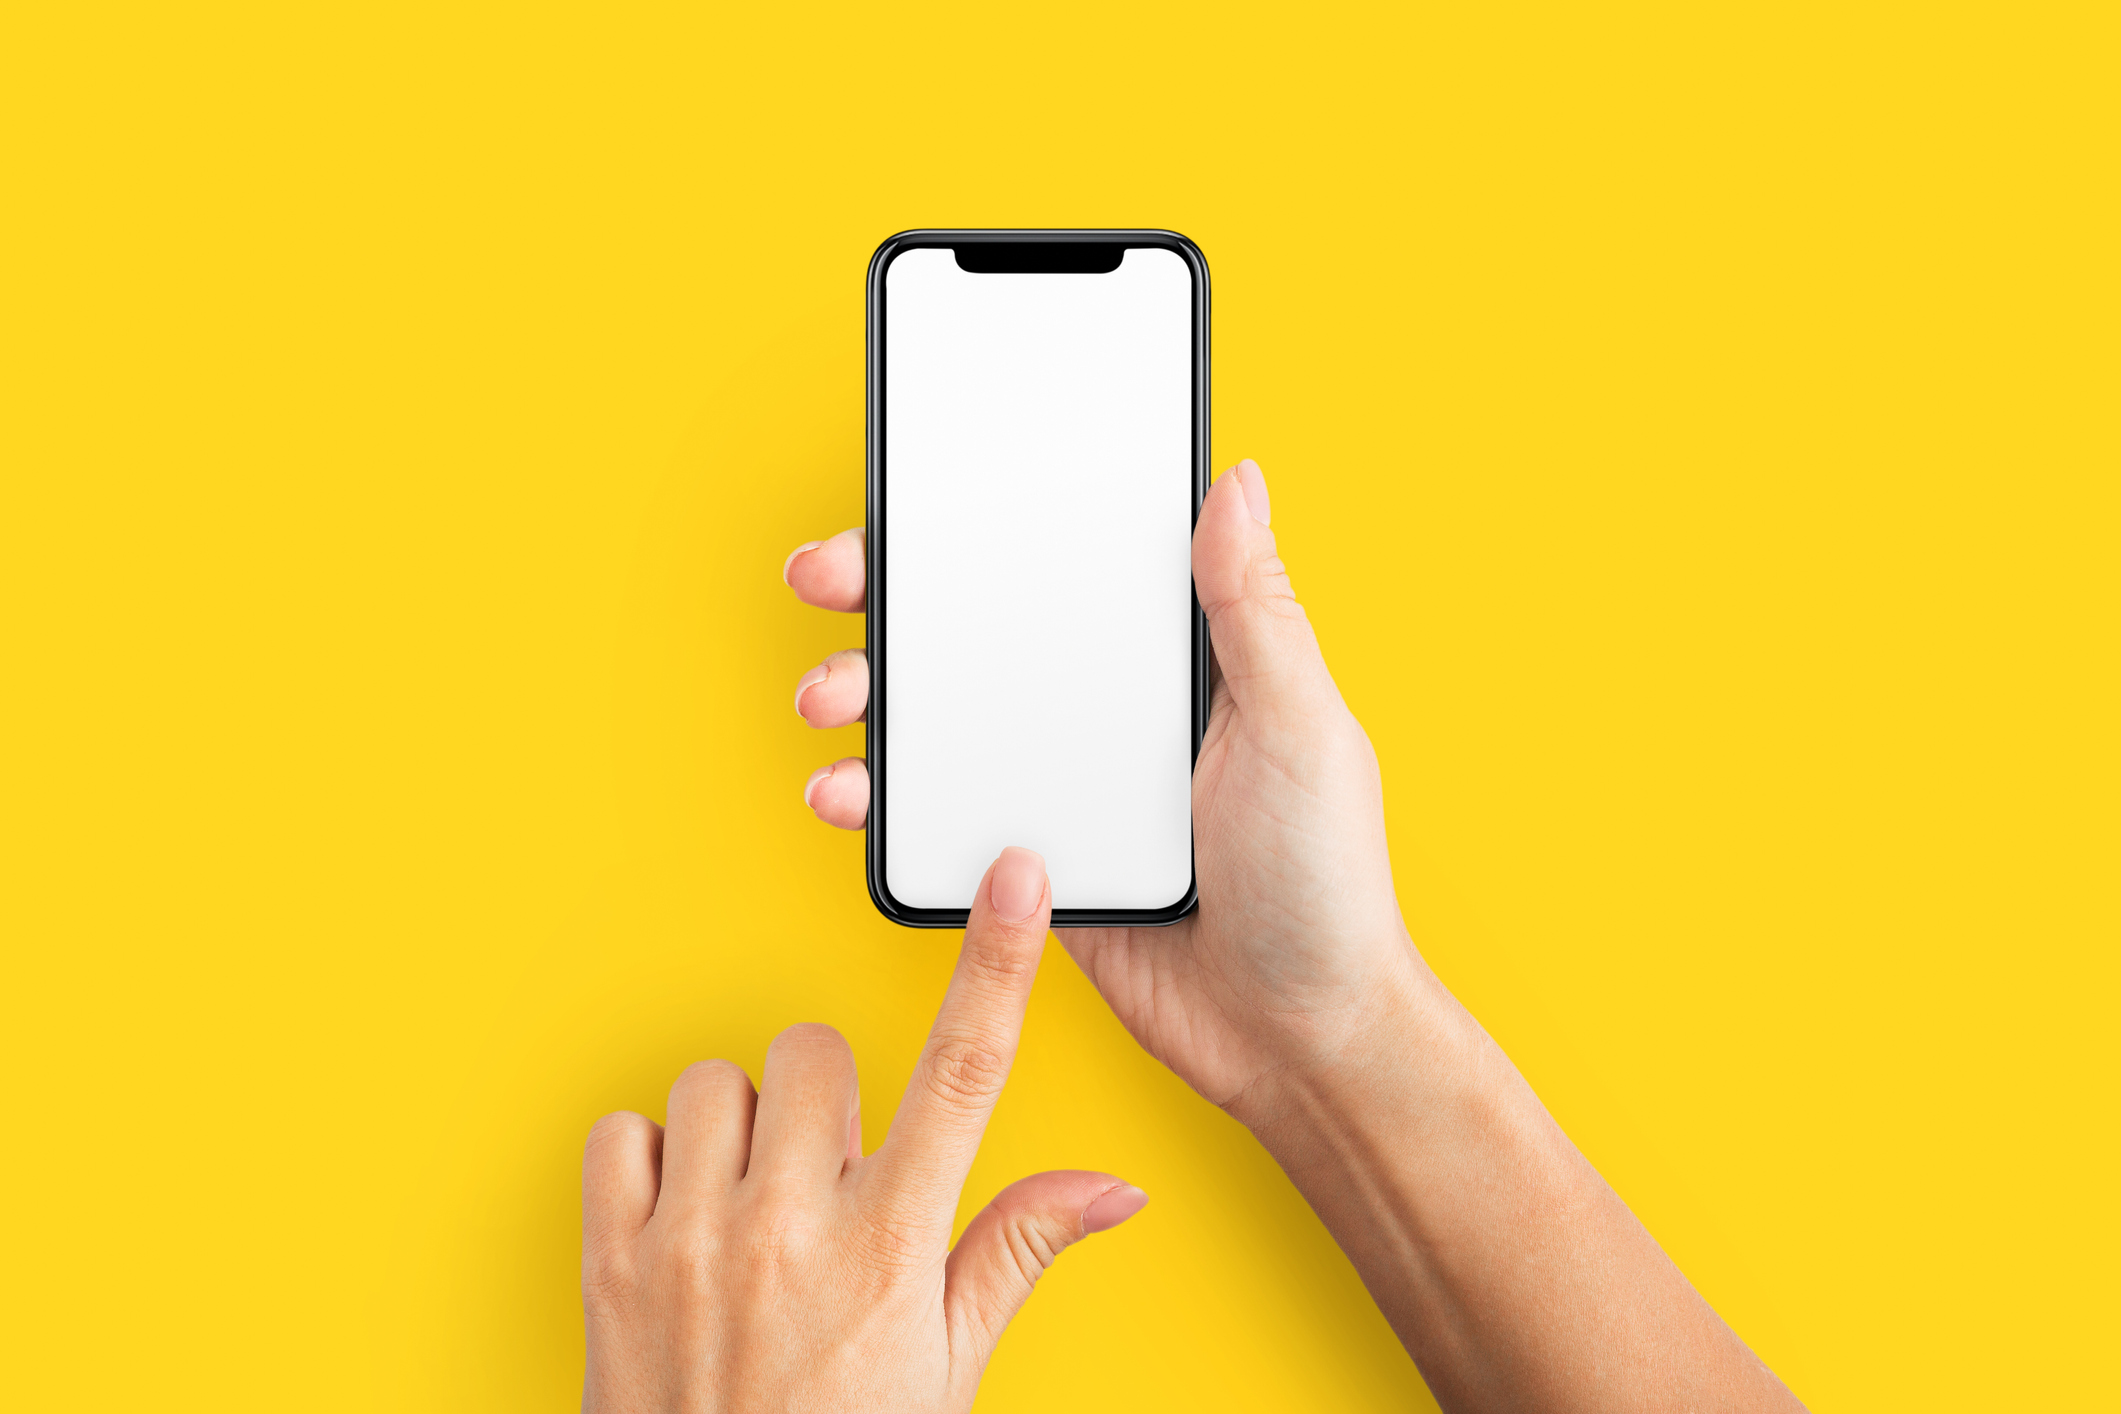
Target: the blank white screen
pixel 1038 510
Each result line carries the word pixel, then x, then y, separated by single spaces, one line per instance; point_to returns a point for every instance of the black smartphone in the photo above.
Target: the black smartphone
pixel 1038 664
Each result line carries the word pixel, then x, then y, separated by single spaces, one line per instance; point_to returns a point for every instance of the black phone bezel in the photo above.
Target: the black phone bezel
pixel 879 547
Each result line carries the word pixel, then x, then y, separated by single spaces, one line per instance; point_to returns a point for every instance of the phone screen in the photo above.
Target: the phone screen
pixel 1033 667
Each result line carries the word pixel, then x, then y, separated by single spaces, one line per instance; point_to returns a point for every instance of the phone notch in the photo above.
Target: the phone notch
pixel 1040 257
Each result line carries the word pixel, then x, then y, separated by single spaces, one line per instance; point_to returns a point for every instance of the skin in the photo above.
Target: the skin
pixel 747 1256
pixel 1295 999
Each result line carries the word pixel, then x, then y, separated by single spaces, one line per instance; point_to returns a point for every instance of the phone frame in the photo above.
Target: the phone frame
pixel 879 547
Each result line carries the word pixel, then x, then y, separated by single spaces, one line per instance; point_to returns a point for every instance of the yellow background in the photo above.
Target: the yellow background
pixel 1693 431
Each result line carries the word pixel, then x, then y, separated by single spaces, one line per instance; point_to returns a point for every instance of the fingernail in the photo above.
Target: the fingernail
pixel 1254 484
pixel 822 773
pixel 803 549
pixel 1019 883
pixel 807 681
pixel 1114 1208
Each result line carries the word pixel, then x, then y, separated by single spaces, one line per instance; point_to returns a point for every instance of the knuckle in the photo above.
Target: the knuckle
pixel 781 1239
pixel 709 1078
pixel 617 1127
pixel 812 1047
pixel 964 1074
pixel 1003 957
pixel 607 1276
pixel 694 1258
pixel 1031 1247
pixel 808 1035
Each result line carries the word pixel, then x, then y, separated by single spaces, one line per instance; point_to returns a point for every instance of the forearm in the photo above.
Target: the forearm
pixel 1514 1275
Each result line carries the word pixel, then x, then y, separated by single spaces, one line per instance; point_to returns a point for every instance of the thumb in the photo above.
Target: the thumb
pixel 1263 642
pixel 1016 1237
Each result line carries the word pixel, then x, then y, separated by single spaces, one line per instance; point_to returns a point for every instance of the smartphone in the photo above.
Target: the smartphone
pixel 1038 664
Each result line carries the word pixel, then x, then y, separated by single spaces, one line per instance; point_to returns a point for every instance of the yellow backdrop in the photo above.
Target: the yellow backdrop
pixel 1693 432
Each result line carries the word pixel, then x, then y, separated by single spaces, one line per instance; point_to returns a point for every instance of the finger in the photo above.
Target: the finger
pixel 807 1105
pixel 839 793
pixel 707 1137
pixel 832 574
pixel 1253 482
pixel 620 1166
pixel 1015 1238
pixel 835 693
pixel 960 1073
pixel 1264 648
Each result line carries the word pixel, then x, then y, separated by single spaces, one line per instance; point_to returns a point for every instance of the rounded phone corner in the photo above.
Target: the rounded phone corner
pixel 906 917
pixel 1178 912
pixel 1187 249
pixel 891 248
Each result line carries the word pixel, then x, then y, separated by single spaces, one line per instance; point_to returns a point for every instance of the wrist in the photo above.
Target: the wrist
pixel 1406 1050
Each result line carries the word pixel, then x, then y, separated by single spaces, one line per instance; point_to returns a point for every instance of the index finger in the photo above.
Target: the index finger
pixel 937 1129
pixel 832 574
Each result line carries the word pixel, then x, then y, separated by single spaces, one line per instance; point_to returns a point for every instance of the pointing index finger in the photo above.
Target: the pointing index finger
pixel 832 574
pixel 961 1070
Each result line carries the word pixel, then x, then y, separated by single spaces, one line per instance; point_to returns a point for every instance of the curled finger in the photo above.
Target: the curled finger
pixel 839 793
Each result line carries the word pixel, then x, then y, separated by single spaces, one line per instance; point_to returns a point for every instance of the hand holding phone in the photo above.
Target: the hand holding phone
pixel 1295 999
pixel 1297 941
